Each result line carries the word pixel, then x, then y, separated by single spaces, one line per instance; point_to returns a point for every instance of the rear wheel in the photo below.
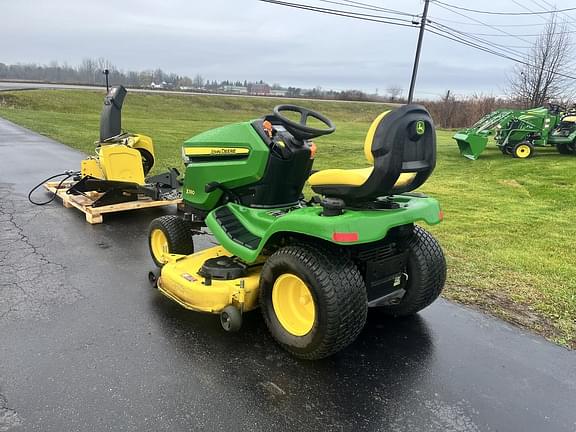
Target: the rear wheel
pixel 169 235
pixel 313 299
pixel 523 150
pixel 566 149
pixel 426 270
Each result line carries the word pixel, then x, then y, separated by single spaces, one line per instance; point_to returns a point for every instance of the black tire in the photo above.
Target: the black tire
pixel 231 319
pixel 426 270
pixel 338 291
pixel 519 150
pixel 153 278
pixel 147 160
pixel 566 149
pixel 178 234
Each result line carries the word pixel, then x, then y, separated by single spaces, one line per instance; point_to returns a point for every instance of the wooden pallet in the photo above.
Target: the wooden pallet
pixel 94 215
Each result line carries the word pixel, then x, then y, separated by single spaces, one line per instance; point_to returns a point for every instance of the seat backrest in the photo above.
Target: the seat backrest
pixel 401 144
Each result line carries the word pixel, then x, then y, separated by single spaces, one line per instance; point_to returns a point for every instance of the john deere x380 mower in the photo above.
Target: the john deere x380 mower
pixel 314 267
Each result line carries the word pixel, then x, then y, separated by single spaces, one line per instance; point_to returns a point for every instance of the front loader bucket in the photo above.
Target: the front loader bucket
pixel 470 144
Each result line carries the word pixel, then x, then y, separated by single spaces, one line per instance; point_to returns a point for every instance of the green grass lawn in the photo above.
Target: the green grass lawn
pixel 509 224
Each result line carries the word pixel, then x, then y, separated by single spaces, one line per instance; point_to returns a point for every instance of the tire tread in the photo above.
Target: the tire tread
pixel 344 291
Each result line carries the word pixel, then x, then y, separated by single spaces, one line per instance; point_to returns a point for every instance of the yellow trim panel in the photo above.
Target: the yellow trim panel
pixel 370 137
pixel 215 151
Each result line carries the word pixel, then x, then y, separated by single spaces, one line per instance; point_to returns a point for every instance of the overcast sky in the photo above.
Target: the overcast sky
pixel 247 39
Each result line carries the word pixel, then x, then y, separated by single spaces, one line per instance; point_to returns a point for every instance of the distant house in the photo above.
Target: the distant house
pixel 260 89
pixel 234 89
pixel 162 85
pixel 277 92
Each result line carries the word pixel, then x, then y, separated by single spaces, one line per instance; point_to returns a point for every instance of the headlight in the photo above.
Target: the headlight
pixel 185 158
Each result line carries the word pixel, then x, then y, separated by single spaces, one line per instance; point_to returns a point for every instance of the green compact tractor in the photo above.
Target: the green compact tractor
pixel 517 133
pixel 313 266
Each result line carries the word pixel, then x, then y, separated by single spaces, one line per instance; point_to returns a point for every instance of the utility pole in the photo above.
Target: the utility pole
pixel 418 49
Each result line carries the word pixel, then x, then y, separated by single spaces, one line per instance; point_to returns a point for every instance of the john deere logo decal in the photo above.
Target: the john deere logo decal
pixel 420 127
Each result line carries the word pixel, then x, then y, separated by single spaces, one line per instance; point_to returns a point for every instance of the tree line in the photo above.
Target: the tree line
pixel 543 76
pixel 90 72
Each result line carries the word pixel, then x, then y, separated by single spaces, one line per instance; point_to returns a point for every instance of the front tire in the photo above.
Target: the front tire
pixel 313 299
pixel 426 270
pixel 169 235
pixel 523 150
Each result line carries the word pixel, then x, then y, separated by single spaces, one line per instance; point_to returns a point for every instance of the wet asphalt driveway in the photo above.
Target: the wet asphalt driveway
pixel 87 345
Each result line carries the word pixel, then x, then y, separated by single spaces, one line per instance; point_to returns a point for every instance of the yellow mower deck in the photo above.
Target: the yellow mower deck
pixel 180 281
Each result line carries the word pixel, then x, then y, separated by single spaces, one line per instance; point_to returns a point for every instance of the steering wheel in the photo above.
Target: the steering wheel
pixel 299 129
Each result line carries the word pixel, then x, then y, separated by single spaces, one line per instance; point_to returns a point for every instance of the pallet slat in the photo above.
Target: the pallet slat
pixel 94 215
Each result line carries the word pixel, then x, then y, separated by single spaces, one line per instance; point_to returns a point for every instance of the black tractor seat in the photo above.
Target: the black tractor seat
pixel 400 145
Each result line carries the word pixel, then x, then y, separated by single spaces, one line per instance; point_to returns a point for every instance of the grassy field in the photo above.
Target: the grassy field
pixel 509 224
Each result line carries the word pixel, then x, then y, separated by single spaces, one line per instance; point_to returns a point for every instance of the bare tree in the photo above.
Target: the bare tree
pixel 394 92
pixel 198 81
pixel 540 80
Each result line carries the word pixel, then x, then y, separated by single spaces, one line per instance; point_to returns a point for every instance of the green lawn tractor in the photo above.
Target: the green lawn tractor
pixel 517 133
pixel 473 140
pixel 313 266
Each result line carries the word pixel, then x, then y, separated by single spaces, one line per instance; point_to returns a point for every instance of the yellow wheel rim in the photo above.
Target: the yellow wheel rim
pixel 158 244
pixel 523 151
pixel 293 304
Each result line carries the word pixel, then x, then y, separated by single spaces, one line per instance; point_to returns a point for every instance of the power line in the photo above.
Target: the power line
pixel 529 10
pixel 379 8
pixel 565 24
pixel 481 22
pixel 483 25
pixel 499 54
pixel 485 46
pixel 510 48
pixel 570 18
pixel 365 6
pixel 337 12
pixel 503 13
pixel 521 35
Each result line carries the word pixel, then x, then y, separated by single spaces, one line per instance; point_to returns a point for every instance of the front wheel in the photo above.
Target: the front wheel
pixel 169 235
pixel 313 299
pixel 523 150
pixel 426 270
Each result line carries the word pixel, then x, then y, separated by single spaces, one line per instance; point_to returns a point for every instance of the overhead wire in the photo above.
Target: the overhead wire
pixel 510 48
pixel 444 31
pixel 571 19
pixel 484 25
pixel 361 16
pixel 481 22
pixel 439 2
pixel 375 7
pixel 496 53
